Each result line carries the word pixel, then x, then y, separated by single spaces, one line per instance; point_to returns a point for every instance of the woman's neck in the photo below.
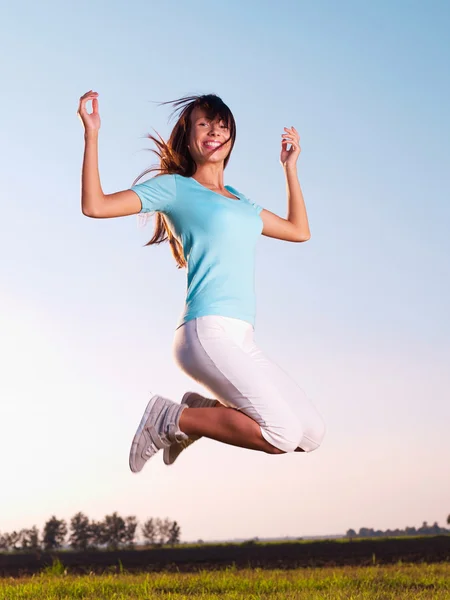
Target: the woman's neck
pixel 210 176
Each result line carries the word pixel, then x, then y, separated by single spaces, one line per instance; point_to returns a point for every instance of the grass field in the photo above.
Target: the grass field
pixel 350 583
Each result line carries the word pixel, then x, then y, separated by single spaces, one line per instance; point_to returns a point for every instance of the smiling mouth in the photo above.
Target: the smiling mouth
pixel 212 145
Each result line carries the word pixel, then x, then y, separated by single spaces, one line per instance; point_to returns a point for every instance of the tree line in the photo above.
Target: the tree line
pixel 113 532
pixel 426 529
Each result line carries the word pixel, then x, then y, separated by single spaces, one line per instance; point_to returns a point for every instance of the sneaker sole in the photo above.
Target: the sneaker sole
pixel 134 443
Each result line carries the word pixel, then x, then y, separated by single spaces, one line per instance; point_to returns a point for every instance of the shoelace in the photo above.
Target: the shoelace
pixel 152 448
pixel 167 438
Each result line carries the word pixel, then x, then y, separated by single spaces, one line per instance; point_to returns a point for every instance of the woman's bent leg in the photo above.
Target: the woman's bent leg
pixel 219 353
pixel 226 425
pixel 313 426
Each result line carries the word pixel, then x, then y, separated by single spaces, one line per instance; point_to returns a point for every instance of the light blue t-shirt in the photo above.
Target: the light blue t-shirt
pixel 218 236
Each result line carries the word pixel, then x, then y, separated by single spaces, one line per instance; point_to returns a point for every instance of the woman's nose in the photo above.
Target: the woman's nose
pixel 214 128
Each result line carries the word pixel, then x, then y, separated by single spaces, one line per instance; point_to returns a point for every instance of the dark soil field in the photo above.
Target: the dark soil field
pixel 184 558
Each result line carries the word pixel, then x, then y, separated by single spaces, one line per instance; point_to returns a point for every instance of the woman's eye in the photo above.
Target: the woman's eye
pixel 208 124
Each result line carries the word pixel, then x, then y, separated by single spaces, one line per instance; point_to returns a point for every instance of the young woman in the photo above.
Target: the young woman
pixel 212 229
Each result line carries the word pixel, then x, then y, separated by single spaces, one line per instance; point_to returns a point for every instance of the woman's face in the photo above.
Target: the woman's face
pixel 206 138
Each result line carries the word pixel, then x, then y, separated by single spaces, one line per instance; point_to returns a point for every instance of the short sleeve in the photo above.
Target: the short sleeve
pixel 257 207
pixel 156 194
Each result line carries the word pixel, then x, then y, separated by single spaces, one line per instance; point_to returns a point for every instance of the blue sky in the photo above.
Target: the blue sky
pixel 358 314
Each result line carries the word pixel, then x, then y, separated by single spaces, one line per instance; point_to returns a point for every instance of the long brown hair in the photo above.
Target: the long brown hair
pixel 174 155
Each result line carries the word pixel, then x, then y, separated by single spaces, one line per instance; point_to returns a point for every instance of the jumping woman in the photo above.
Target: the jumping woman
pixel 212 229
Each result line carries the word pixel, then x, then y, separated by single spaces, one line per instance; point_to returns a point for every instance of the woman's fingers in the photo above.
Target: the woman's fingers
pixel 90 120
pixel 85 98
pixel 88 96
pixel 290 139
pixel 292 131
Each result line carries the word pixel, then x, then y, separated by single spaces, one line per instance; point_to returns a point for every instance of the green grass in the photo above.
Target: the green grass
pixel 393 582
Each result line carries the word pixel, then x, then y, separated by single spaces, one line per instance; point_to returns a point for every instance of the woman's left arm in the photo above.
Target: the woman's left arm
pixel 296 227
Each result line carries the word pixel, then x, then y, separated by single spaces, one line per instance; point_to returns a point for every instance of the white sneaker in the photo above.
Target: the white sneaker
pixel 159 428
pixel 191 400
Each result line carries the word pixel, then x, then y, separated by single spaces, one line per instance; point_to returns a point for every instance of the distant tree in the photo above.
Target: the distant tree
pixel 33 538
pixel 148 531
pixel 55 531
pixel 163 530
pixel 7 541
pixel 12 540
pixel 365 532
pixel 97 533
pixel 424 529
pixel 130 531
pixel 29 538
pixel 378 533
pixel 448 520
pixel 174 534
pixel 351 533
pixel 114 531
pixel 80 532
pixel 435 529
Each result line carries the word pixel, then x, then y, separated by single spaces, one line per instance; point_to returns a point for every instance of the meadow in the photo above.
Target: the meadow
pixel 378 582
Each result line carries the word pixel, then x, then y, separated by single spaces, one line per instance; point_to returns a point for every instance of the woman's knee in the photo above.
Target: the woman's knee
pixel 284 437
pixel 291 434
pixel 313 435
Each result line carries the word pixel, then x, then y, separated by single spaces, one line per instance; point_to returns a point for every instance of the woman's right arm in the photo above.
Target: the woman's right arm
pixel 94 203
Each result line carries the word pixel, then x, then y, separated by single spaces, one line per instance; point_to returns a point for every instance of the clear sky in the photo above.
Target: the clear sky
pixel 359 315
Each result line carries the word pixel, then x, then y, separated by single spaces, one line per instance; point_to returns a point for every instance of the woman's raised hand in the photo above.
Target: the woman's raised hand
pixel 292 137
pixel 91 121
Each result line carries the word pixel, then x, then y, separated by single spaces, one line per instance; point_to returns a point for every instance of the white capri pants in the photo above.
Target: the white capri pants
pixel 220 353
